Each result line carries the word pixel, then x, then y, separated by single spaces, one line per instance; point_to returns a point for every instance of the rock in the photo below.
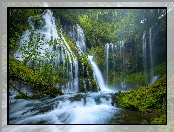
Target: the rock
pixel 149 110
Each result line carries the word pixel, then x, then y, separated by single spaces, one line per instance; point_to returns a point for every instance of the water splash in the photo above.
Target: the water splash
pixel 90 108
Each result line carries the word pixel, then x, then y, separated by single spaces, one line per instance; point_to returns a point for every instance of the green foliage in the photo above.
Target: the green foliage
pixel 54 92
pixel 18 22
pixel 103 26
pixel 42 84
pixel 138 76
pixel 98 53
pixel 159 120
pixel 82 58
pixel 100 26
pixel 145 97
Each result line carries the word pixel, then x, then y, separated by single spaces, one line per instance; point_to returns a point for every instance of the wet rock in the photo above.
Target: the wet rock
pixel 149 110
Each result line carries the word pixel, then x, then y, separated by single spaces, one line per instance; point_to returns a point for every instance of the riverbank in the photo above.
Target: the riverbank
pixel 150 100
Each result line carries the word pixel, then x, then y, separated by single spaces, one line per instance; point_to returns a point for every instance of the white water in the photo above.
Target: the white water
pixel 90 108
pixel 144 55
pixel 153 31
pixel 106 59
pixel 76 34
pixel 151 51
pixel 80 39
pixel 110 51
pixel 98 75
pixel 153 79
pixel 52 48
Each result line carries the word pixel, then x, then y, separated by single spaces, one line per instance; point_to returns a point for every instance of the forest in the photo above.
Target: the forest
pixel 106 65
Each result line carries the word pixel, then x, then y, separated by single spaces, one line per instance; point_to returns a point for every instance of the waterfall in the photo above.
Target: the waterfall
pixel 144 56
pixel 80 39
pixel 76 80
pixel 153 31
pixel 76 34
pixel 49 47
pixel 106 60
pixel 113 59
pixel 46 50
pixel 98 74
pixel 114 49
pixel 136 60
pixel 151 51
pixel 121 52
pixel 123 65
pixel 109 46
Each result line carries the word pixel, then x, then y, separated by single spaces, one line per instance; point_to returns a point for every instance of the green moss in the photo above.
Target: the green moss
pixel 138 76
pixel 83 59
pixel 20 96
pixel 43 85
pixel 145 98
pixel 159 120
pixel 54 92
pixel 19 24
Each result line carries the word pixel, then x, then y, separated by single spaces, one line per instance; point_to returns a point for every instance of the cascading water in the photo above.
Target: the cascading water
pixel 151 51
pixel 110 51
pixel 69 108
pixel 76 34
pixel 90 108
pixel 113 59
pixel 80 39
pixel 123 61
pixel 136 62
pixel 98 74
pixel 144 55
pixel 50 47
pixel 153 31
pixel 106 59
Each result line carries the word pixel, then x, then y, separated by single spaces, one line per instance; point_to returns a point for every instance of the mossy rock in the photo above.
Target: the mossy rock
pixel 19 71
pixel 20 96
pixel 53 92
pixel 145 97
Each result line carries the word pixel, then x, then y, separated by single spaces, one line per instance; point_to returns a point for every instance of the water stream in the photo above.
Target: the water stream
pixel 73 107
pixel 90 108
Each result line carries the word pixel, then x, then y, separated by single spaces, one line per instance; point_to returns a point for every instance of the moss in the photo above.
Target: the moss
pixel 138 76
pixel 19 71
pixel 146 98
pixel 87 67
pixel 54 92
pixel 18 25
pixel 20 96
pixel 159 120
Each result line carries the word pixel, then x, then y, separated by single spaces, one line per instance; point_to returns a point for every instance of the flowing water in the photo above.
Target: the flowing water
pixel 77 108
pixel 89 108
pixel 72 107
pixel 144 55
